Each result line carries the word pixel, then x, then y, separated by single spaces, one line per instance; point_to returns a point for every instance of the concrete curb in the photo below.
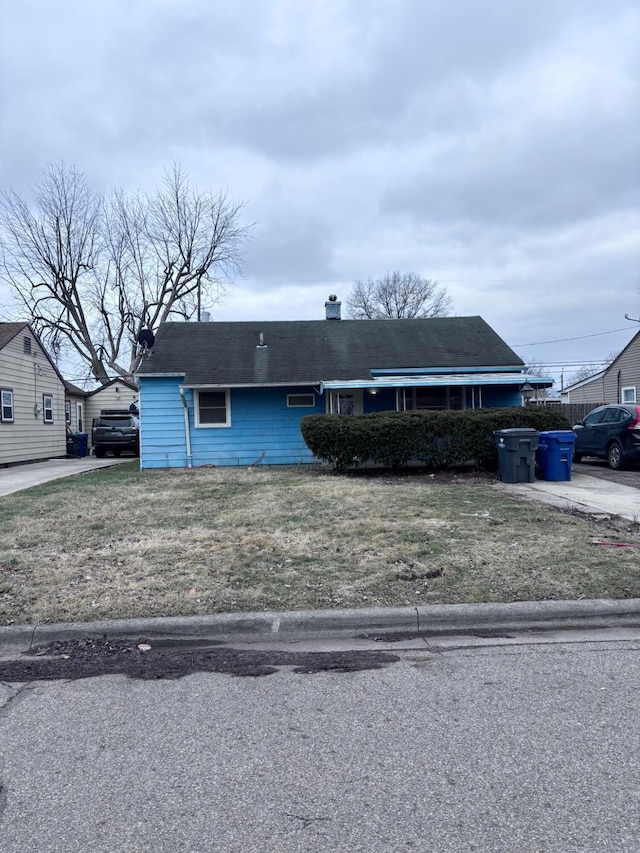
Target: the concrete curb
pixel 432 620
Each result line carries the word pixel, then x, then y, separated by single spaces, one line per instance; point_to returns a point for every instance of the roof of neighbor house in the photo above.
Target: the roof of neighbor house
pixel 310 351
pixel 8 331
pixel 118 380
pixel 74 389
pixel 581 382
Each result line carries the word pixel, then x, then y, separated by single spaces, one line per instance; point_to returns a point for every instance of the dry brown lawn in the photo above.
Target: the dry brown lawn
pixel 118 543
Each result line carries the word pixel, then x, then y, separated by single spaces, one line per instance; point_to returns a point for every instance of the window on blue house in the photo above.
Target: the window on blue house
pixel 212 409
pixel 432 398
pixel 301 401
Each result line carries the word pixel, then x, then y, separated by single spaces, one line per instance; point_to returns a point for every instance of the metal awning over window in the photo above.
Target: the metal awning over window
pixel 439 380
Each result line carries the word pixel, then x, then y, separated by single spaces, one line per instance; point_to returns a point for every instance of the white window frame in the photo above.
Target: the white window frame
pixel 79 417
pixel 47 408
pixel 628 388
pixel 227 399
pixel 67 411
pixel 4 420
pixel 292 405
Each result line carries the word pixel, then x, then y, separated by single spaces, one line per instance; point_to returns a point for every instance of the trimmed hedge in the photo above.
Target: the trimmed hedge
pixel 438 439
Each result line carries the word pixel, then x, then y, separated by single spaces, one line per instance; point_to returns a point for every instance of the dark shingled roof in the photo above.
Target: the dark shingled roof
pixel 321 350
pixel 8 331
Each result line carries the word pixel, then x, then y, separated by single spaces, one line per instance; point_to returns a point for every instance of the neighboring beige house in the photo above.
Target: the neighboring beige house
pixel 617 383
pixel 75 408
pixel 32 398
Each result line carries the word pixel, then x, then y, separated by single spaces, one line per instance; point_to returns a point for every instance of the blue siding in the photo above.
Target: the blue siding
pixel 261 423
pixel 162 439
pixel 501 396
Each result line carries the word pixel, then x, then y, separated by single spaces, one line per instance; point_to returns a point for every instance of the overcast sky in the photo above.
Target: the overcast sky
pixel 493 145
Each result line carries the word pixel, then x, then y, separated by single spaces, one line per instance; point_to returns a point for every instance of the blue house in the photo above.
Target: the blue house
pixel 234 393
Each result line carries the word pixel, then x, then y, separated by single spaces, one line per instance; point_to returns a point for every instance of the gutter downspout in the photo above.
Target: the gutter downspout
pixel 187 434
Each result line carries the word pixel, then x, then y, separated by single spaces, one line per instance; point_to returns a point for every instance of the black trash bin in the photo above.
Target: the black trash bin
pixel 516 454
pixel 77 444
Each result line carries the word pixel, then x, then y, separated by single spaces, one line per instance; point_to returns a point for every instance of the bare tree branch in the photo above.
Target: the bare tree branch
pixel 398 295
pixel 92 272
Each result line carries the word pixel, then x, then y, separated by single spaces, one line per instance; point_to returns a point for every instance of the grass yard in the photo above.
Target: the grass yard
pixel 116 543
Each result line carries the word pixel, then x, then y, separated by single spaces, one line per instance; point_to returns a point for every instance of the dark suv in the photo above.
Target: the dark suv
pixel 611 433
pixel 115 433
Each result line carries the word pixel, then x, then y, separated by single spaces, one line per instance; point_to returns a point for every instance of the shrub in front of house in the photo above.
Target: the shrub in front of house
pixel 437 439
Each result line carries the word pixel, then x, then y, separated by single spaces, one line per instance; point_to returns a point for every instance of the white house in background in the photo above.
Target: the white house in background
pixel 83 407
pixel 32 398
pixel 617 383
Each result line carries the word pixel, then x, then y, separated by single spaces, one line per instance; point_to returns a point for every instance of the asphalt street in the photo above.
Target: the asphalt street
pixel 515 747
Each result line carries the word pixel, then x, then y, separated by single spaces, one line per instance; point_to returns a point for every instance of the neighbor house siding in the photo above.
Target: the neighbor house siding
pixel 591 392
pixel 262 427
pixel 30 376
pixel 623 372
pixel 74 425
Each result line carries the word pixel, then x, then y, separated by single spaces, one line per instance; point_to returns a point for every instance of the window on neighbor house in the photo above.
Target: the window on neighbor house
pixel 295 401
pixel 67 412
pixel 212 409
pixel 26 345
pixel 47 408
pixel 629 394
pixel 6 406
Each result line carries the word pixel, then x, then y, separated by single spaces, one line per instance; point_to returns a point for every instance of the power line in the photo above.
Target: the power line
pixel 563 340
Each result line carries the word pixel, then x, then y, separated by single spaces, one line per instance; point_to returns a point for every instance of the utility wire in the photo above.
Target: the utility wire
pixel 562 340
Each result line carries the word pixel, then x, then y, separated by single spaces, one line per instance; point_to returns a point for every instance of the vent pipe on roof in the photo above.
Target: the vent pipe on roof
pixel 261 343
pixel 205 316
pixel 332 307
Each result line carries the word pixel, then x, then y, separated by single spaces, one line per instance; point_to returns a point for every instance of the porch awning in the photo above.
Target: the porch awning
pixel 438 381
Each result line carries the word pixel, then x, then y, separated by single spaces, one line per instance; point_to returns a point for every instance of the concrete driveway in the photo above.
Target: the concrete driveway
pixel 19 477
pixel 599 468
pixel 591 495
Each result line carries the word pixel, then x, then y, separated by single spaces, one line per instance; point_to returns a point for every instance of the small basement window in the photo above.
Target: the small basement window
pixel 212 409
pixel 47 408
pixel 629 394
pixel 301 401
pixel 6 406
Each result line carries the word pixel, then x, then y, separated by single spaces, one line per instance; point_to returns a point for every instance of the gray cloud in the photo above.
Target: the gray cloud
pixel 491 145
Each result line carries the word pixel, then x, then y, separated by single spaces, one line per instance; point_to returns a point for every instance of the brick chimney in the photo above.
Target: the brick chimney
pixel 332 307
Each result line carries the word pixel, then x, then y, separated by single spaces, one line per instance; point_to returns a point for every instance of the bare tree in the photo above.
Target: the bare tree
pixel 92 272
pixel 589 370
pixel 398 295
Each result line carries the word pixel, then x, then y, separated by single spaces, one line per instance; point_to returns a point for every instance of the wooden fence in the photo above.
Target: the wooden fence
pixel 573 411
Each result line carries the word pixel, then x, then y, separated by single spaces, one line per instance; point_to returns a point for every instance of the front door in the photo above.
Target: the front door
pixel 346 402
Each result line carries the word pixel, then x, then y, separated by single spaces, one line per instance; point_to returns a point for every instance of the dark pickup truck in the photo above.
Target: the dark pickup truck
pixel 115 434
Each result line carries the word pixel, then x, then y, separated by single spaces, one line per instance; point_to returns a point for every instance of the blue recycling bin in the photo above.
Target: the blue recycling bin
pixel 555 449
